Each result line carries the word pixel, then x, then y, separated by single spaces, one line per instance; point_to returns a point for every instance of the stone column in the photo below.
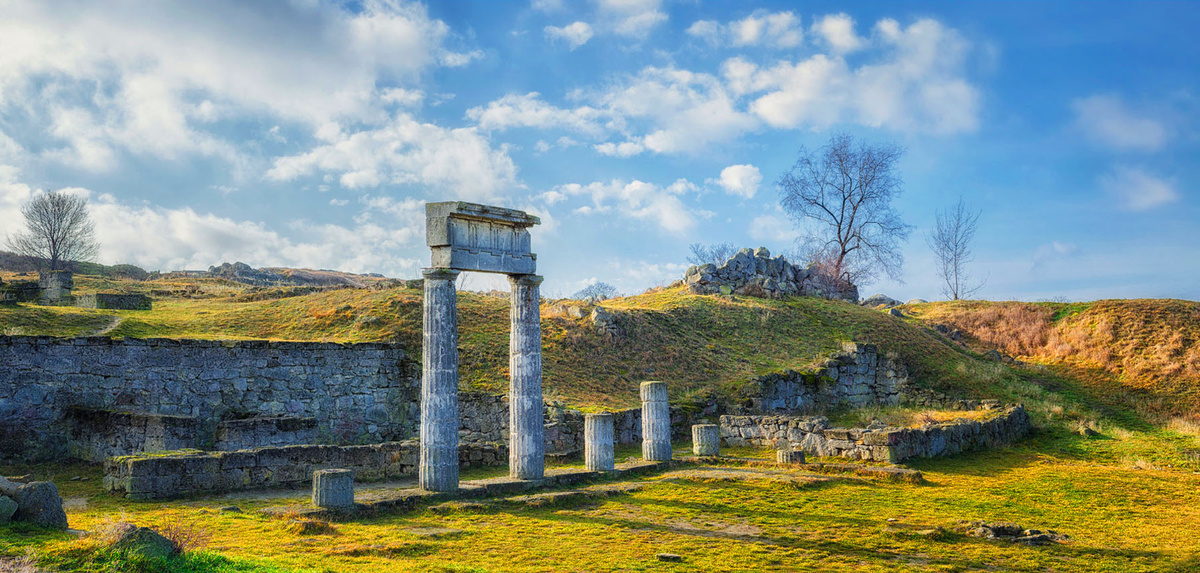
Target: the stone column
pixel 598 442
pixel 526 449
pixel 333 489
pixel 438 470
pixel 706 440
pixel 789 456
pixel 656 422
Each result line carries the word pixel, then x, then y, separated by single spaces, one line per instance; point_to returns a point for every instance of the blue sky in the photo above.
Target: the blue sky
pixel 310 133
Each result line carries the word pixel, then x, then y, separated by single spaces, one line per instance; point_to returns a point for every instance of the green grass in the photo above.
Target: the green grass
pixel 1120 518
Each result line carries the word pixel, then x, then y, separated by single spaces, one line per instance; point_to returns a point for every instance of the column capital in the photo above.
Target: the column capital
pixel 439 273
pixel 526 280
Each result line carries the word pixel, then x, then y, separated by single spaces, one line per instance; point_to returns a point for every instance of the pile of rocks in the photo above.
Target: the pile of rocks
pixel 756 273
pixel 35 502
pixel 1007 531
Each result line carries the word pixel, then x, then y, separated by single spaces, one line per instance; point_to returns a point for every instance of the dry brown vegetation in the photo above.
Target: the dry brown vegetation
pixel 1150 346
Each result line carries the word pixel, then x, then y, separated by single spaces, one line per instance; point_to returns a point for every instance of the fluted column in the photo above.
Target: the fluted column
pixel 706 440
pixel 656 422
pixel 526 449
pixel 438 469
pixel 598 442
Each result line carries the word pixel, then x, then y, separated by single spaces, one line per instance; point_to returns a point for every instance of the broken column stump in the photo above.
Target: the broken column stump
pixel 333 489
pixel 706 440
pixel 598 442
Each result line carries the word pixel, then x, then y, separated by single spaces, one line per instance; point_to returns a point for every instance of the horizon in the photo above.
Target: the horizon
pixel 311 134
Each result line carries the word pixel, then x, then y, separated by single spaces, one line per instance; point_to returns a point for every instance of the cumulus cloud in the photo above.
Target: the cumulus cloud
pixel 1106 120
pixel 575 34
pixel 1136 190
pixel 530 110
pixel 637 200
pixel 682 111
pixel 915 85
pixel 150 77
pixel 740 180
pixel 406 152
pixel 630 18
pixel 837 32
pixel 780 30
pixel 156 237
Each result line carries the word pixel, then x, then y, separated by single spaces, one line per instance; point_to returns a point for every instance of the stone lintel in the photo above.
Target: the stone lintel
pixel 482 238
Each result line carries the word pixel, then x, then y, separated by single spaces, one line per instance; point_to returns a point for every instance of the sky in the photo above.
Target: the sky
pixel 308 133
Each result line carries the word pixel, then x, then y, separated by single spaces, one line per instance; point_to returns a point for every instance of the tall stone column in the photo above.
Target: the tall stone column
pixel 656 422
pixel 438 470
pixel 598 442
pixel 526 449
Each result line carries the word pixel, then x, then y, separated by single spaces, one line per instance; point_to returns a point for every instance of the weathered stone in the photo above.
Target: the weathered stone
pixel 333 489
pixel 526 446
pixel 473 237
pixel 706 440
pixel 598 436
pixel 876 300
pixel 7 508
pixel 439 383
pixel 789 456
pixel 656 422
pixel 39 503
pixel 144 542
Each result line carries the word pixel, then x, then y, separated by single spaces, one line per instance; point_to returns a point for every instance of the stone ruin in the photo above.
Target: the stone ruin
pixel 756 273
pixel 480 238
pixel 56 286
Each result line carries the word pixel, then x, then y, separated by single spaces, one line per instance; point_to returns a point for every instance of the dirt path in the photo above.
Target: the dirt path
pixel 113 323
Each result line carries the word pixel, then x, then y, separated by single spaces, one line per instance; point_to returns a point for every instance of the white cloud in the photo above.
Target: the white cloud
pixel 707 30
pixel 1136 190
pixel 631 18
pixel 636 200
pixel 1053 252
pixel 740 180
pixel 780 30
pixel 777 30
pixel 915 86
pixel 530 110
pixel 575 34
pixel 682 111
pixel 160 238
pixel 407 152
pixel 150 77
pixel 837 32
pixel 623 149
pixel 1106 120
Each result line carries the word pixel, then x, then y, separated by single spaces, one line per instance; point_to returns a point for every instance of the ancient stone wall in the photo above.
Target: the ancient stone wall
pixel 816 436
pixel 196 473
pixel 858 376
pixel 756 273
pixel 358 393
pixel 100 434
pixel 259 431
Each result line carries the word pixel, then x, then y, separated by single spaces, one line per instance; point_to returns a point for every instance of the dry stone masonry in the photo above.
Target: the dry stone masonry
pixel 815 435
pixel 756 273
pixel 856 377
pixel 185 473
pixel 114 301
pixel 357 393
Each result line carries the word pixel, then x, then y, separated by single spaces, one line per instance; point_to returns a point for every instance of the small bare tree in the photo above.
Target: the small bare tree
pixel 596 291
pixel 842 195
pixel 59 230
pixel 951 243
pixel 716 253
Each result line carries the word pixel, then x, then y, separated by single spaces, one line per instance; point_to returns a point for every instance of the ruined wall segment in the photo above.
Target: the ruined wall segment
pixel 357 393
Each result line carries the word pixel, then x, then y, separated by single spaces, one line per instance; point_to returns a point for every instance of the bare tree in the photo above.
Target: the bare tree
pixel 596 291
pixel 841 194
pixel 716 253
pixel 951 243
pixel 59 230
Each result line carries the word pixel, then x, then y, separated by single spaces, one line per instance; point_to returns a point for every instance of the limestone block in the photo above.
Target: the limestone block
pixel 333 489
pixel 598 442
pixel 789 456
pixel 706 440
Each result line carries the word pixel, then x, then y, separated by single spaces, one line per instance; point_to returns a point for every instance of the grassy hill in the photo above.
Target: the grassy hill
pixel 1141 353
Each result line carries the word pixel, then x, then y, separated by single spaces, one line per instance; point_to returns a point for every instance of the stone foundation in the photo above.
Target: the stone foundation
pixel 261 431
pixel 816 436
pixel 210 473
pixel 113 301
pixel 100 434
